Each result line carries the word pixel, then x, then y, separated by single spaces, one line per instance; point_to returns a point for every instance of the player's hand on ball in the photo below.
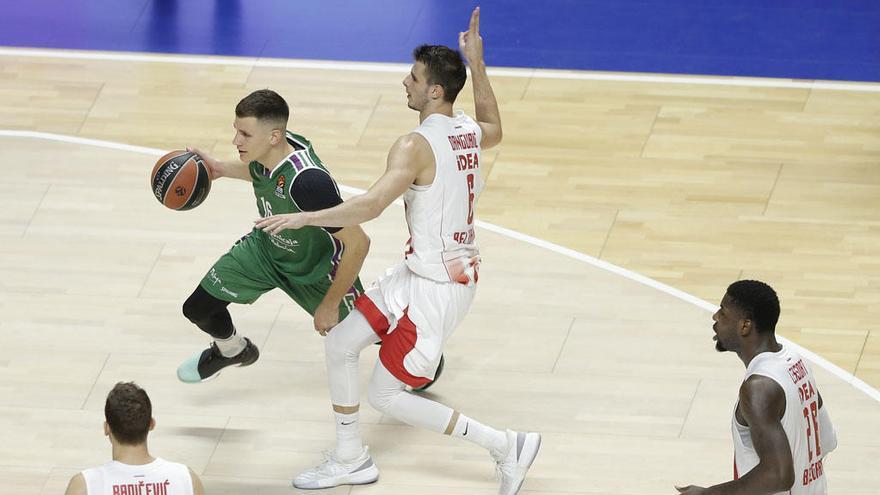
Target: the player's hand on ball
pixel 276 223
pixel 326 317
pixel 215 169
pixel 691 490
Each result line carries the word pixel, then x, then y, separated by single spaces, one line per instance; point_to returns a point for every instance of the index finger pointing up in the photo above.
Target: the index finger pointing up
pixel 475 21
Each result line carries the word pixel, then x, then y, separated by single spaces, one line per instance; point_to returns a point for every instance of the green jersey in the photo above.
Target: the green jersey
pixel 299 183
pixel 300 262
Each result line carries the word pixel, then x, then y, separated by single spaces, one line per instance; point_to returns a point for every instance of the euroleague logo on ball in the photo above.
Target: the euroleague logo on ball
pixel 180 191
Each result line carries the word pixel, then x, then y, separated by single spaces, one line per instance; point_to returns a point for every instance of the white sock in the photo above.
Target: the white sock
pixel 348 436
pixel 231 346
pixel 473 431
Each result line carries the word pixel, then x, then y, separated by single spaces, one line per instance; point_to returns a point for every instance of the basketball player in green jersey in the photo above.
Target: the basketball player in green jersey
pixel 317 267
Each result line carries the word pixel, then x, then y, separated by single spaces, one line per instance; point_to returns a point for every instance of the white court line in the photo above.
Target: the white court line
pixel 403 68
pixel 604 265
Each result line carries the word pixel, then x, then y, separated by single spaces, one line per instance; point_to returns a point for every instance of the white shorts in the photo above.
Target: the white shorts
pixel 413 316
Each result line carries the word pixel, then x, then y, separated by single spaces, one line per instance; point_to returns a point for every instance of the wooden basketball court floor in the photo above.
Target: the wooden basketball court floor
pixel 691 183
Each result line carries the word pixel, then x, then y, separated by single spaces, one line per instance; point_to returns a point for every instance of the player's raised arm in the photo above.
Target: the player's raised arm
pixel 487 114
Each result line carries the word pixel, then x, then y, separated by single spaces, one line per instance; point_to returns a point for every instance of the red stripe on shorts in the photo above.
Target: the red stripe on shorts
pixel 395 346
pixel 375 317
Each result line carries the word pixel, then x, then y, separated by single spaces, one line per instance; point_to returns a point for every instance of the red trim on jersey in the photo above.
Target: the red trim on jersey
pixel 371 312
pixel 395 346
pixel 735 471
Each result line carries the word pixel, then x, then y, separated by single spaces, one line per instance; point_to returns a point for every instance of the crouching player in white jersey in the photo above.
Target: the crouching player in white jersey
pixel 416 306
pixel 781 429
pixel 133 471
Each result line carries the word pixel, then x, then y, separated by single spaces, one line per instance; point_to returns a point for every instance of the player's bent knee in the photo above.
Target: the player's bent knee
pixel 381 399
pixel 201 306
pixel 192 310
pixel 344 343
pixel 208 313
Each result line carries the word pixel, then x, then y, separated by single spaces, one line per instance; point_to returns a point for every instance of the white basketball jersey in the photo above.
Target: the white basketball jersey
pixel 159 477
pixel 800 421
pixel 440 216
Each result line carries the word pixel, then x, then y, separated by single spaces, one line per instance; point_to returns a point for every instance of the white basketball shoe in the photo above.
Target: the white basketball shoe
pixel 334 472
pixel 513 464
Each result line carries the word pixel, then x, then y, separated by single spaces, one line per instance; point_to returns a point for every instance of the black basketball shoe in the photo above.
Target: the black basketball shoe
pixel 209 362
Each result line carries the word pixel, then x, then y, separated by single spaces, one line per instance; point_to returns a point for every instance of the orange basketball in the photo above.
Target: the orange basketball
pixel 180 180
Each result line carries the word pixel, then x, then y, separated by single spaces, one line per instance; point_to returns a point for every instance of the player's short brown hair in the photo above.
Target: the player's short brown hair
pixel 445 67
pixel 128 412
pixel 264 104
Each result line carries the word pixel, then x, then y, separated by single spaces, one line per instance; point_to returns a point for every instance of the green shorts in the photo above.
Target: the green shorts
pixel 244 274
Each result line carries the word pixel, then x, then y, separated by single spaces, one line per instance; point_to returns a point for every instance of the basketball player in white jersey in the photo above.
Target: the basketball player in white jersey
pixel 133 471
pixel 416 306
pixel 781 429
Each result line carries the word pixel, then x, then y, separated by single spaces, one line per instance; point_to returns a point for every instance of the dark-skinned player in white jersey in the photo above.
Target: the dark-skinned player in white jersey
pixel 781 427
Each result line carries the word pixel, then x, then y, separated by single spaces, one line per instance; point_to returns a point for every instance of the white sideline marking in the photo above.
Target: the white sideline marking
pixel 756 82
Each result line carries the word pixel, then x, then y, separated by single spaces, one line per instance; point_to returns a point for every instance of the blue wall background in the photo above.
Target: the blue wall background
pixel 805 39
